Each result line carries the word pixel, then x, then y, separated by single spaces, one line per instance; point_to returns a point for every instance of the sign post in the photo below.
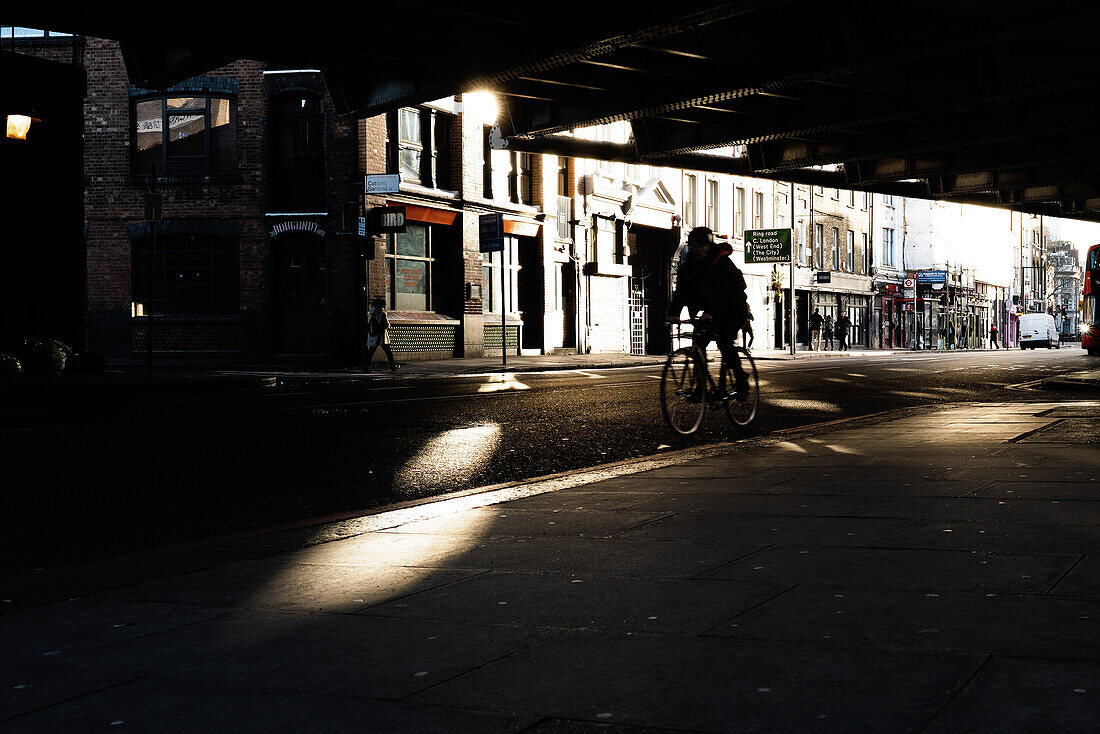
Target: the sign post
pixel 772 246
pixel 491 239
pixel 154 211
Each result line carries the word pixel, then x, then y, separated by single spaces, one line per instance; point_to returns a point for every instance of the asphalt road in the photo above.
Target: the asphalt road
pixel 123 474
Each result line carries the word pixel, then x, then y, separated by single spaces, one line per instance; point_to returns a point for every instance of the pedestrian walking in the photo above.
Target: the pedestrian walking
pixel 815 330
pixel 841 329
pixel 993 334
pixel 378 334
pixel 829 331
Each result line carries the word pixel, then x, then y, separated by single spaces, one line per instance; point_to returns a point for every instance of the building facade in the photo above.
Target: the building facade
pixel 256 254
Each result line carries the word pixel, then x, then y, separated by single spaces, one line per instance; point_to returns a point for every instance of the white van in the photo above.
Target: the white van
pixel 1038 330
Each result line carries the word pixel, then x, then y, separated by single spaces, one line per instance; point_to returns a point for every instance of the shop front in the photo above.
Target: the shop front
pixel 421 268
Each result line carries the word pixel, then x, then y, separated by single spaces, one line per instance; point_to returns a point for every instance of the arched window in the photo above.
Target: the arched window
pixel 298 151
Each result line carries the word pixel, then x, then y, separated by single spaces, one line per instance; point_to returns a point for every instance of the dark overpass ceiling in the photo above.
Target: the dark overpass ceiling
pixel 977 101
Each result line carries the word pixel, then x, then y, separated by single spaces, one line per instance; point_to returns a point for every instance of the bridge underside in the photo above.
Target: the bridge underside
pixel 977 101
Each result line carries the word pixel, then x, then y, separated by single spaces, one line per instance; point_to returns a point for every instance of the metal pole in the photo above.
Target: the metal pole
pixel 152 279
pixel 503 308
pixel 793 250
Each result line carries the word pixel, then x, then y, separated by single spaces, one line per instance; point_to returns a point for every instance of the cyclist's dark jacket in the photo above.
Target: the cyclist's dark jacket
pixel 715 286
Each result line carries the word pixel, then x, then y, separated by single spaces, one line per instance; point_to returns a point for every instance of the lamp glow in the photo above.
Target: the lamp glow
pixel 18 126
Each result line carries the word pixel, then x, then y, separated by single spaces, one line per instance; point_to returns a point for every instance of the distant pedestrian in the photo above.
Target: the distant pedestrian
pixel 993 334
pixel 815 330
pixel 378 334
pixel 829 331
pixel 841 329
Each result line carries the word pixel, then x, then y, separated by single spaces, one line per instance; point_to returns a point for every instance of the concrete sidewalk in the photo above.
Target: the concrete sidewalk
pixel 928 571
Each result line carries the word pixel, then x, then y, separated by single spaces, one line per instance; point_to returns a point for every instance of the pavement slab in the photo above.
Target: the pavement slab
pixel 554 601
pixel 337 654
pixel 908 620
pixel 498 521
pixel 295 586
pixel 1010 694
pixel 145 704
pixel 764 530
pixel 1009 537
pixel 895 568
pixel 714 685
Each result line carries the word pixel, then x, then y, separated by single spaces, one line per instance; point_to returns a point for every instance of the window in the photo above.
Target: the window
pixel 836 194
pixel 194 275
pixel 689 201
pixel 863 256
pixel 420 146
pixel 185 136
pixel 851 198
pixel 16 32
pixel 888 199
pixel 739 212
pixel 888 246
pixel 836 249
pixel 563 177
pixel 409 260
pixel 490 273
pixel 803 251
pixel 712 204
pixel 608 243
pixel 819 245
pixel 758 210
pixel 866 198
pixel 518 167
pixel 851 251
pixel 298 173
pixel 508 176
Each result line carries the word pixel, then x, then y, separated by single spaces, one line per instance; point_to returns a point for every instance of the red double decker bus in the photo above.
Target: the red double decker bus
pixel 1090 312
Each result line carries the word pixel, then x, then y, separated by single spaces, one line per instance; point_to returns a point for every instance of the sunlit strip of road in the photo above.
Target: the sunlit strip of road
pixel 502 392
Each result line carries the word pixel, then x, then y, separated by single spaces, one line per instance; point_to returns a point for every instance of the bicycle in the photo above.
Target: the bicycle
pixel 687 387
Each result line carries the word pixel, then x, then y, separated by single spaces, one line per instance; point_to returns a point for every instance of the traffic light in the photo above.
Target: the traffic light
pixel 1063 309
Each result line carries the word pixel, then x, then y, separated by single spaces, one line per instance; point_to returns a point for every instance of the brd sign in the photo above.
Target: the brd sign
pixel 767 246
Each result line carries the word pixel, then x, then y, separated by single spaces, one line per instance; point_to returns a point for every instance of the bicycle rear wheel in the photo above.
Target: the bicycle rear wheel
pixel 683 392
pixel 742 413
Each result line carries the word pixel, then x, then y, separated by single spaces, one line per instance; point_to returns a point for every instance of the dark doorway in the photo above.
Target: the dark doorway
pixel 651 253
pixel 300 305
pixel 530 284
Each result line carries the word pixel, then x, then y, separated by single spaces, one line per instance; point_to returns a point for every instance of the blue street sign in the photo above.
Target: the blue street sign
pixel 491 232
pixel 931 276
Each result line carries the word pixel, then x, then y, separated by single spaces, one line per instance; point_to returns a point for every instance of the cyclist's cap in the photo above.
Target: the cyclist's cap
pixel 700 236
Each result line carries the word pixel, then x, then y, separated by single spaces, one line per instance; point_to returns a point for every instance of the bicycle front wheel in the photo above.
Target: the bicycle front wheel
pixel 738 411
pixel 683 399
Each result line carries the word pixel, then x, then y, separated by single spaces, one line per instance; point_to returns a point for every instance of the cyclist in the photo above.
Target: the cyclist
pixel 708 281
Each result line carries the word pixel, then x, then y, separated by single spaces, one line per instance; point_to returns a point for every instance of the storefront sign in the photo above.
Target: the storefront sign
pixel 297 225
pixel 931 276
pixel 383 219
pixel 767 246
pixel 824 276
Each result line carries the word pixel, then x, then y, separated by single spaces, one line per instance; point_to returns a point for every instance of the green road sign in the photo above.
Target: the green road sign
pixel 767 246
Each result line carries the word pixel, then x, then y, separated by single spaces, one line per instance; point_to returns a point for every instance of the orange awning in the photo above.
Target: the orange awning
pixel 520 227
pixel 428 214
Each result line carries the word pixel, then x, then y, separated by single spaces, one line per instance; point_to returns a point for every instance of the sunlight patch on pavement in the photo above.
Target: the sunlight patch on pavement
pixel 803 404
pixel 503 382
pixel 791 446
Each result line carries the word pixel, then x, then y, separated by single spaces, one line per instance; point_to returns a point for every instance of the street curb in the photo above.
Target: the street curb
pixel 1067 383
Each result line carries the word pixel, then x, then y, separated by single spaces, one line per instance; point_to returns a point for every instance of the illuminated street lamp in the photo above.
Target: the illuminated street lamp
pixel 19 126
